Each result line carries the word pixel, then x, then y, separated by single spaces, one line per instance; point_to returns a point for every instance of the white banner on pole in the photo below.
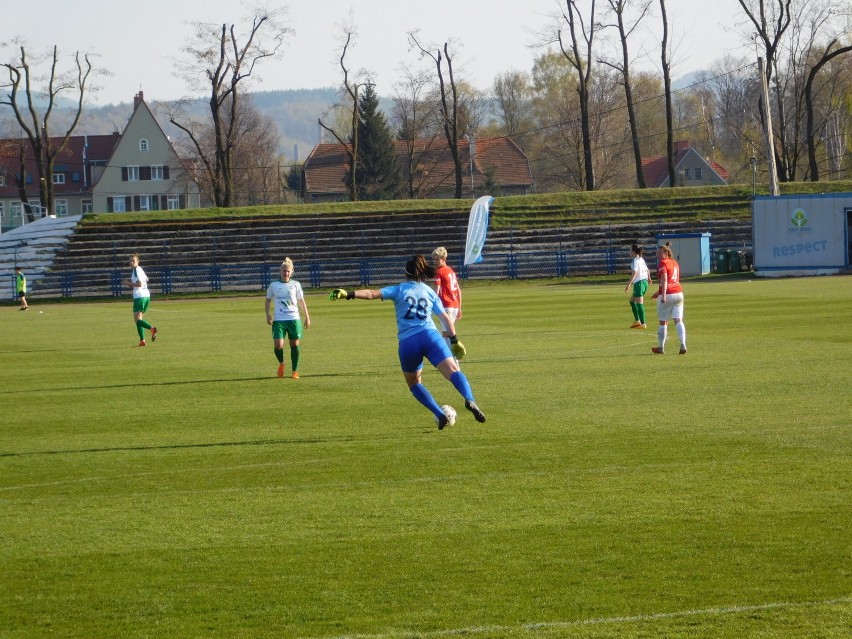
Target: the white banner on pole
pixel 477 227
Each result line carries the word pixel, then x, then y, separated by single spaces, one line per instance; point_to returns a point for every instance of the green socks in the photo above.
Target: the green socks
pixel 294 357
pixel 635 308
pixel 640 309
pixel 141 325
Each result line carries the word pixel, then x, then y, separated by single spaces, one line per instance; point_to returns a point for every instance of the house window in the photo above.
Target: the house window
pixel 157 173
pixel 86 206
pixel 2 180
pixel 133 173
pixel 144 202
pixel 59 178
pixel 173 202
pixel 686 174
pixel 61 208
pixel 118 204
pixel 16 213
pixel 143 145
pixel 698 173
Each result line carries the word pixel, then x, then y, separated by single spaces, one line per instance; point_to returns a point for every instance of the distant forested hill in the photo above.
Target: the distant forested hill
pixel 295 112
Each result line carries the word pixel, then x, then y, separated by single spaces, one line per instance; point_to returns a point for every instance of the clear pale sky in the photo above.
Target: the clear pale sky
pixel 139 41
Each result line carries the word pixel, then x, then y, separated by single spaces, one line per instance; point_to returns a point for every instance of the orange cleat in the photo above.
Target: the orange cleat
pixel 295 375
pixel 153 333
pixel 141 343
pixel 280 370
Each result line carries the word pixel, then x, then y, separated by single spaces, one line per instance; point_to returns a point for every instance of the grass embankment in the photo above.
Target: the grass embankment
pixel 536 210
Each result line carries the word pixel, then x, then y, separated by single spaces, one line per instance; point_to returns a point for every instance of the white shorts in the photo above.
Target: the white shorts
pixel 672 309
pixel 453 313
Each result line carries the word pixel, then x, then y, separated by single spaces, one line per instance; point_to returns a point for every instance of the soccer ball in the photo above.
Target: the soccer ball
pixel 450 412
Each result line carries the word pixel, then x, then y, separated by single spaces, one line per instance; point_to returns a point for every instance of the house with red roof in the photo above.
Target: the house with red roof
pixel 136 170
pixel 427 169
pixel 690 167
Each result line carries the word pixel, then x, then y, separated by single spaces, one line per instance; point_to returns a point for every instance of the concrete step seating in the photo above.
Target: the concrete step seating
pixel 335 245
pixel 33 247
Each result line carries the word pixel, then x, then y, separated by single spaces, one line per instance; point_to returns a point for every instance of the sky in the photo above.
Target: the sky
pixel 139 43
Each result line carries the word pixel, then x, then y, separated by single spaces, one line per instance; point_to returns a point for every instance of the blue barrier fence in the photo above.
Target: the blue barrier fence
pixel 364 272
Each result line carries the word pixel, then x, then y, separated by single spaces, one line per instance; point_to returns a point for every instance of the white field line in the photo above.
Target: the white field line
pixel 718 611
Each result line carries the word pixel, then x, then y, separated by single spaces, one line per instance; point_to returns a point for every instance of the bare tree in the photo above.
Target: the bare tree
pixel 770 22
pixel 35 125
pixel 449 103
pixel 555 149
pixel 581 60
pixel 254 157
pixel 827 56
pixel 412 116
pixel 667 88
pixel 228 60
pixel 511 91
pixel 618 7
pixel 350 94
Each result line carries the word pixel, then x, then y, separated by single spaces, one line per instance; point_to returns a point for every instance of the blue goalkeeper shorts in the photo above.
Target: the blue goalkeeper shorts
pixel 428 344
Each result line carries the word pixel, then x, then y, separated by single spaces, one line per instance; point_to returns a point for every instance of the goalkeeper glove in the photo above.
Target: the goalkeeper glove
pixel 341 293
pixel 457 348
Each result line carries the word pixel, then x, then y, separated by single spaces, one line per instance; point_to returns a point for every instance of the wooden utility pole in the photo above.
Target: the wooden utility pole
pixel 767 127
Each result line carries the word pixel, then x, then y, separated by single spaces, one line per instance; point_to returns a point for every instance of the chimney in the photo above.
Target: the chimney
pixel 137 100
pixel 681 145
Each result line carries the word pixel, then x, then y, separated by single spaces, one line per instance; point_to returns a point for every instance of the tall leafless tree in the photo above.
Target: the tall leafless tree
pixel 449 103
pixel 254 157
pixel 581 59
pixel 228 59
pixel 412 116
pixel 771 19
pixel 35 125
pixel 618 7
pixel 351 87
pixel 511 92
pixel 667 89
pixel 827 56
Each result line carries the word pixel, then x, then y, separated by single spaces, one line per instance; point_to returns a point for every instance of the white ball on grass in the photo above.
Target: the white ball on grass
pixel 450 412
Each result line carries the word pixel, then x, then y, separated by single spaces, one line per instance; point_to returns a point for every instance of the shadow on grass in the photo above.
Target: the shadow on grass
pixel 187 382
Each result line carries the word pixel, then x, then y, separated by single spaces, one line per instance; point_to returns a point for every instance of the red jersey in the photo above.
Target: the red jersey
pixel 672 271
pixel 447 287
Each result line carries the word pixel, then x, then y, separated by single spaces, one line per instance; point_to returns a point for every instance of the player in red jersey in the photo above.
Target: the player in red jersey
pixel 447 286
pixel 669 300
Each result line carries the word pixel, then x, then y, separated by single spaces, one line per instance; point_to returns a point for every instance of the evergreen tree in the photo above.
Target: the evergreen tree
pixel 377 174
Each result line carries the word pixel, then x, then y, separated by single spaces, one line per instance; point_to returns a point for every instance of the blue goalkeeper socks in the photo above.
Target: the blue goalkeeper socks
pixel 462 386
pixel 422 395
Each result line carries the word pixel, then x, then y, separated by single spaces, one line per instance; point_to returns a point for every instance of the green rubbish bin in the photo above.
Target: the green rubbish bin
pixel 723 261
pixel 736 261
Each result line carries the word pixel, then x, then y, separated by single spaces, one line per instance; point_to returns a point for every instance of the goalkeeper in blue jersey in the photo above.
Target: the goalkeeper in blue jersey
pixel 415 302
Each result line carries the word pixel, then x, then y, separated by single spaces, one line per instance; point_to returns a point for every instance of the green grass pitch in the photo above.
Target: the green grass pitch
pixel 182 490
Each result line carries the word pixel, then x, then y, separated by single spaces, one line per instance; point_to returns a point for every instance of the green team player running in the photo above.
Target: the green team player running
pixel 21 287
pixel 141 299
pixel 288 298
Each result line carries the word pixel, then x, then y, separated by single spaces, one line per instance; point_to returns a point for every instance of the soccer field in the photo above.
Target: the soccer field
pixel 183 490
